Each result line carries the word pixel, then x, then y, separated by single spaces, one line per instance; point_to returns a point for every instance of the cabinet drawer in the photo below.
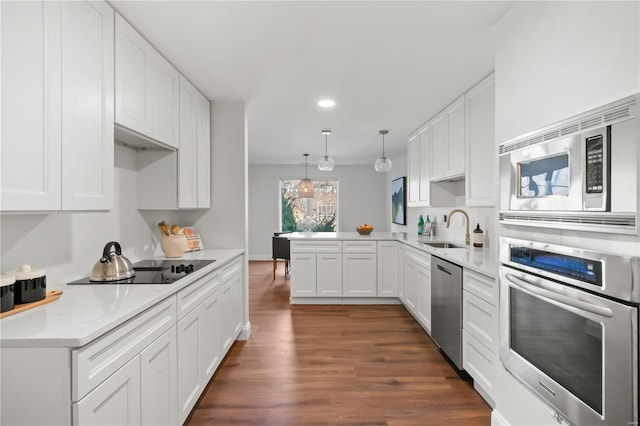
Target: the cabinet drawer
pixel 316 246
pixel 479 362
pixel 191 296
pixel 482 286
pixel 419 257
pixel 359 246
pixel 231 268
pixel 480 319
pixel 95 362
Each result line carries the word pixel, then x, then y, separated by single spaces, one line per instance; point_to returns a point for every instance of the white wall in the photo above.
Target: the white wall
pixel 555 60
pixel 361 199
pixel 67 244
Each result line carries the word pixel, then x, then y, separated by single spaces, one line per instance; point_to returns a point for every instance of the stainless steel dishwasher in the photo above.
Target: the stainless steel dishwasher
pixel 446 308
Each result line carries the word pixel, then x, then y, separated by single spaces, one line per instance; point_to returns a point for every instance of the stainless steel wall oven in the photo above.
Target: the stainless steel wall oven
pixel 569 329
pixel 581 173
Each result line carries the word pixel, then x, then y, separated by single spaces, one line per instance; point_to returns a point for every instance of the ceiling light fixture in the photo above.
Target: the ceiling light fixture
pixel 383 164
pixel 326 163
pixel 305 187
pixel 326 103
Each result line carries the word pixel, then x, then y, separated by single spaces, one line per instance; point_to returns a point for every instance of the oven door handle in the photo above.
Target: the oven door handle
pixel 559 298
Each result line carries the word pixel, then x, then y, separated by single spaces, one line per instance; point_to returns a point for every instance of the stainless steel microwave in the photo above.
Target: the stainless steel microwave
pixel 581 173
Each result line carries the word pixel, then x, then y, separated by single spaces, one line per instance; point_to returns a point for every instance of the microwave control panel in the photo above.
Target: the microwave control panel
pixel 594 169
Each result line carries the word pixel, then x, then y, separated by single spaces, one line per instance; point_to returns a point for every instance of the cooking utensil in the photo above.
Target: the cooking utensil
pixel 30 285
pixel 112 266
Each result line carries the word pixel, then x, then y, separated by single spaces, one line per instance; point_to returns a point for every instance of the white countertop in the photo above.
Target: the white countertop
pixel 481 260
pixel 85 312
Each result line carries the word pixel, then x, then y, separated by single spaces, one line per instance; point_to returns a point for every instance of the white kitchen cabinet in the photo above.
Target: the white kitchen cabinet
pixel 190 385
pixel 209 337
pixel 411 284
pixel 402 253
pixel 480 146
pixel 115 402
pixel 303 275
pixel 159 381
pixel 447 142
pixel 423 308
pixel 147 88
pixel 194 148
pixel 57 106
pixel 31 141
pixel 329 274
pixel 419 168
pixel 387 252
pixel 359 275
pixel 480 325
pixel 87 106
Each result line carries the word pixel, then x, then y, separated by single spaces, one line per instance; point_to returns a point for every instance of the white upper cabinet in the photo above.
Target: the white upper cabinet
pixel 31 106
pixel 193 154
pixel 57 106
pixel 480 147
pixel 418 161
pixel 147 89
pixel 447 142
pixel 87 106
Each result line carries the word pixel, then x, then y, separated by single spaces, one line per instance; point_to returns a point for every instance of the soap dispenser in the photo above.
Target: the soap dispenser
pixel 478 236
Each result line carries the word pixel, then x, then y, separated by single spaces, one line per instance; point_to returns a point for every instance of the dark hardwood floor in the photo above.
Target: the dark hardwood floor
pixel 333 365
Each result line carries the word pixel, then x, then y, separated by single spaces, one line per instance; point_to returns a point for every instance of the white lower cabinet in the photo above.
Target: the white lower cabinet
pixel 359 275
pixel 116 401
pixel 480 331
pixel 410 284
pixel 189 378
pixel 423 308
pixel 231 309
pixel 387 268
pixel 159 381
pixel 329 274
pixel 402 254
pixel 303 274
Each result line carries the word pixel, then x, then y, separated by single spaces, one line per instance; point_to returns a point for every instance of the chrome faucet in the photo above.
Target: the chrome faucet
pixel 467 237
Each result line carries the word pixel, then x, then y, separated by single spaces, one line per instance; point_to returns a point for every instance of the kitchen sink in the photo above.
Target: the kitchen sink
pixel 441 244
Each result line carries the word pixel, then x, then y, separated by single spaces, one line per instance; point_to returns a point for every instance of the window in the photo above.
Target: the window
pixel 322 207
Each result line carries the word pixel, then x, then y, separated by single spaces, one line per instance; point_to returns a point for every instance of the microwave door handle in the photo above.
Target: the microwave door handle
pixel 559 298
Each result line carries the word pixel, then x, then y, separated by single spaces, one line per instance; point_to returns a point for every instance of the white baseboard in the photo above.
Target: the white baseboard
pixel 245 331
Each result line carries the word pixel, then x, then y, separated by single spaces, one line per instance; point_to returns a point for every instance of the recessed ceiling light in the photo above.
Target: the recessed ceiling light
pixel 326 103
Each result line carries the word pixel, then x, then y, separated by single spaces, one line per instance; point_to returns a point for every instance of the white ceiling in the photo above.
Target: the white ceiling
pixel 387 64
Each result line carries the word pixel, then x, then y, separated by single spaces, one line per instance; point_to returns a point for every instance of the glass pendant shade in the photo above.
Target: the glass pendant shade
pixel 383 164
pixel 305 187
pixel 325 163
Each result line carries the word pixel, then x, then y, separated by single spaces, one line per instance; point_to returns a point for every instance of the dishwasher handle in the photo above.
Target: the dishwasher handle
pixel 443 269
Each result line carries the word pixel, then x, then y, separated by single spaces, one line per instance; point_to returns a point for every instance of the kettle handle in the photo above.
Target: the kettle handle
pixel 106 253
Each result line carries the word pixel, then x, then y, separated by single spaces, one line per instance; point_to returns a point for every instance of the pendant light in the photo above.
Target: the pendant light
pixel 326 163
pixel 383 164
pixel 305 187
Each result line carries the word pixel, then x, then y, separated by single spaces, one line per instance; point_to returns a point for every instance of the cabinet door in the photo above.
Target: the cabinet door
pixel 480 363
pixel 87 106
pixel 329 274
pixel 114 402
pixel 413 161
pixel 401 272
pixel 359 275
pixel 411 285
pixel 387 269
pixel 303 274
pixel 30 142
pixel 209 338
pixel 439 146
pixel 187 154
pixel 236 304
pixel 159 381
pixel 164 99
pixel 425 177
pixel 203 148
pixel 133 54
pixel 480 319
pixel 480 146
pixel 189 383
pixel 424 296
pixel 226 317
pixel 455 143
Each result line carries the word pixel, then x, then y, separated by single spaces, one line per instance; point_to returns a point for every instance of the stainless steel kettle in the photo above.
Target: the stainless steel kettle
pixel 112 266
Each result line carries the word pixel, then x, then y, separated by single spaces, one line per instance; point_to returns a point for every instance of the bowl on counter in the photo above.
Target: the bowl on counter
pixel 364 229
pixel 6 292
pixel 30 285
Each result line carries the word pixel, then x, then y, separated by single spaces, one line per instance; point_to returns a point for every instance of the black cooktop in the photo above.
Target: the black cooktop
pixel 155 272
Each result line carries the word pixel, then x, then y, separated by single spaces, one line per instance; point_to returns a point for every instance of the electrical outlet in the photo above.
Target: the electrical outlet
pixel 445 218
